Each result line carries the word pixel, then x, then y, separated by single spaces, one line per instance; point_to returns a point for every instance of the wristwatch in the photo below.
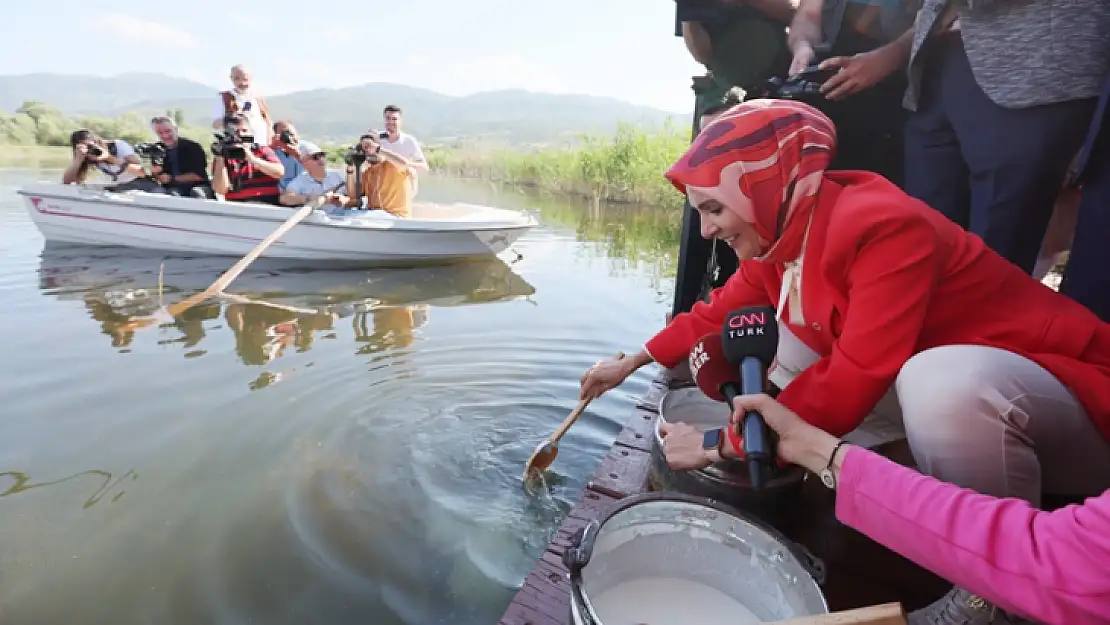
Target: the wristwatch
pixel 711 444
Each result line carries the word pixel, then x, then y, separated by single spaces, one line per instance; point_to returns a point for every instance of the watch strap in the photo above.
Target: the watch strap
pixel 826 474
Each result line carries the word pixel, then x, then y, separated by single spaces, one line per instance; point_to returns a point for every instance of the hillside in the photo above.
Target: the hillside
pixel 511 117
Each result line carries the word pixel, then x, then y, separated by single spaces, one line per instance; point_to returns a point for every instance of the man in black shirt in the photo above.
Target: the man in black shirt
pixel 185 171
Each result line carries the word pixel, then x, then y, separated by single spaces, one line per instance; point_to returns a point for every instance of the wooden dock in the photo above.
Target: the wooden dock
pixel 859 572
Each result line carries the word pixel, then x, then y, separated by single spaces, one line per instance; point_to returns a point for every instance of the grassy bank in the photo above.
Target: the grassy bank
pixel 627 167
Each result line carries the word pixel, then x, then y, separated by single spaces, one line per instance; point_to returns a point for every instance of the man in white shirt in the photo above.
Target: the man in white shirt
pixel 401 143
pixel 315 180
pixel 241 99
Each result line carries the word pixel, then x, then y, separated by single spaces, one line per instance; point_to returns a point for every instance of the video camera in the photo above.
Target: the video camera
pixel 155 151
pixel 230 145
pixel 805 87
pixel 356 156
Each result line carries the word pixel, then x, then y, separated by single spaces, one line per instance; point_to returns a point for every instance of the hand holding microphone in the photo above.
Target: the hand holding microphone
pixel 750 339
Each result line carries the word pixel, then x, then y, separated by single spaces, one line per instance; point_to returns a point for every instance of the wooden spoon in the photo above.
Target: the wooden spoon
pixel 546 451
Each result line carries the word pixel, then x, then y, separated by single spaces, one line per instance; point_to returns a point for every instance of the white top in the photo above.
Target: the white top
pixel 311 188
pixel 248 105
pixel 405 145
pixel 123 150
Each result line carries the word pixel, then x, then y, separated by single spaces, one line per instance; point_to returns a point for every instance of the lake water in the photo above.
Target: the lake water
pixel 348 450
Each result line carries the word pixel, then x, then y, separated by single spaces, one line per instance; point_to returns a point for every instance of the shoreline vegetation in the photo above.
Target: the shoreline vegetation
pixel 626 167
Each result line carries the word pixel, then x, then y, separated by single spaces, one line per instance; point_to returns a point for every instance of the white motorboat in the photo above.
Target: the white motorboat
pixel 436 233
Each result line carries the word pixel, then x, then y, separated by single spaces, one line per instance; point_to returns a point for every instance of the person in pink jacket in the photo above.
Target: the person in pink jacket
pixel 1053 567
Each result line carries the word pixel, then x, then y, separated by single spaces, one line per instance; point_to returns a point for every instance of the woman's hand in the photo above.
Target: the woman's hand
pixel 799 442
pixel 604 375
pixel 682 446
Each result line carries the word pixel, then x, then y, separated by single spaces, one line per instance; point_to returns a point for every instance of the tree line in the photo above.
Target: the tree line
pixel 39 123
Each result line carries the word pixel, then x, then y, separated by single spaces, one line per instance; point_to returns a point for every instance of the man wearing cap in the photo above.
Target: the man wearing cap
pixel 315 180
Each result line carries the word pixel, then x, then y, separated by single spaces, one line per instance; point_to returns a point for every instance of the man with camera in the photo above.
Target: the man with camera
pixel 741 43
pixel 242 170
pixel 866 45
pixel 385 177
pixel 178 164
pixel 315 180
pixel 287 145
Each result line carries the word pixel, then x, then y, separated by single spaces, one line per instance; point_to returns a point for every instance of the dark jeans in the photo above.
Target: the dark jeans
pixel 1087 277
pixel 993 170
pixel 200 190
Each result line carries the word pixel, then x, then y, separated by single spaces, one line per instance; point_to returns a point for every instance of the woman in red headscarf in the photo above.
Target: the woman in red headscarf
pixel 1000 384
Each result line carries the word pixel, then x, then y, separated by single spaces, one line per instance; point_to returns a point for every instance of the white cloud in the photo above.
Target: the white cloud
pixel 337 33
pixel 140 31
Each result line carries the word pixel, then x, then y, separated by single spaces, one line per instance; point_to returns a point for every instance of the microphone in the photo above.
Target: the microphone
pixel 750 339
pixel 712 372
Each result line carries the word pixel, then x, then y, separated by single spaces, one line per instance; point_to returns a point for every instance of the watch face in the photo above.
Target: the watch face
pixel 711 439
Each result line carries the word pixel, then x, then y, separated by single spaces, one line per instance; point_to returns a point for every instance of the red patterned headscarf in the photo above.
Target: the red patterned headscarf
pixel 773 152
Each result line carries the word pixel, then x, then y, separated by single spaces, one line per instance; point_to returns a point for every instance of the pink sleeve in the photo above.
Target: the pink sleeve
pixel 1049 566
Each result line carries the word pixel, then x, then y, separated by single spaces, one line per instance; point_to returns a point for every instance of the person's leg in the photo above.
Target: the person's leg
pixel 1017 159
pixel 1087 277
pixel 995 422
pixel 882 425
pixel 935 171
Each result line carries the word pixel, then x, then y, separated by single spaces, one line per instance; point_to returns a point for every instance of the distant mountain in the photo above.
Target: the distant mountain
pixel 512 117
pixel 77 94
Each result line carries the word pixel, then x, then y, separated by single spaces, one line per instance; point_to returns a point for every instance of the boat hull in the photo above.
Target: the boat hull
pixel 91 216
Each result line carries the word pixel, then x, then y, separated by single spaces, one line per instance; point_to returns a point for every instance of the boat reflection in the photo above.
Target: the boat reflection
pixel 273 307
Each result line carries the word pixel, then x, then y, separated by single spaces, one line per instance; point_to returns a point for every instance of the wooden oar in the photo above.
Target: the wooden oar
pixel 546 451
pixel 224 280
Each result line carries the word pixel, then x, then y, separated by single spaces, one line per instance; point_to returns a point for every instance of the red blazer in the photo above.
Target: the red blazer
pixel 885 277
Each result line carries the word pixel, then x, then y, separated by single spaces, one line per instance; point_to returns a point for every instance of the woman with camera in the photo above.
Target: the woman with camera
pixel 114 158
pixel 1001 384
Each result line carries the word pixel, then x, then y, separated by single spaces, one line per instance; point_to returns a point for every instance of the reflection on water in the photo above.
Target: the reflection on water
pixel 318 446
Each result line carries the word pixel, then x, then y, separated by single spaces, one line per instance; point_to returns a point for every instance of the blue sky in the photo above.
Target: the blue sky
pixel 619 48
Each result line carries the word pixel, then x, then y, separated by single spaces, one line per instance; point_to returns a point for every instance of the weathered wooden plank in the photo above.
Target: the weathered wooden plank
pixel 638 431
pixel 623 472
pixel 520 613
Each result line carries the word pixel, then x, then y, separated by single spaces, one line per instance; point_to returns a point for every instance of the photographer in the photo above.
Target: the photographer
pixel 289 149
pixel 741 44
pixel 868 43
pixel 178 164
pixel 384 176
pixel 114 158
pixel 242 170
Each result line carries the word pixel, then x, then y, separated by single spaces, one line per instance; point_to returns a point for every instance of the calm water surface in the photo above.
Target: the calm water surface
pixel 333 447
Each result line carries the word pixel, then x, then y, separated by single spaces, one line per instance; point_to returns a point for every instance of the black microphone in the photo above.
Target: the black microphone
pixel 750 339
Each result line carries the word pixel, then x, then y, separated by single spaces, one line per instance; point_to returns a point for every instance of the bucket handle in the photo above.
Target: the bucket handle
pixel 577 554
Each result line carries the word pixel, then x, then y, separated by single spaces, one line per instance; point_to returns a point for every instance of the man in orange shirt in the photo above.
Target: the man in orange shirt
pixel 384 179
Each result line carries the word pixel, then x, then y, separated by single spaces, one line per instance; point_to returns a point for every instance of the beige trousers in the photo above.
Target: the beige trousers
pixel 979 417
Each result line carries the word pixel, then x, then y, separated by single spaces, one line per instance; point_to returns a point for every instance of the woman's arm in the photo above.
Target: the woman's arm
pixel 746 287
pixel 1047 566
pixel 1050 566
pixel 75 173
pixel 891 274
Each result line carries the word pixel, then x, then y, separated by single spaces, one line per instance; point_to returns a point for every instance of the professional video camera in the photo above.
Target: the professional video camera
pixel 356 156
pixel 230 145
pixel 155 151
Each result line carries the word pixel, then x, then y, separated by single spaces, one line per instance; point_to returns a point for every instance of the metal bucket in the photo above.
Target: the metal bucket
pixel 670 558
pixel 726 481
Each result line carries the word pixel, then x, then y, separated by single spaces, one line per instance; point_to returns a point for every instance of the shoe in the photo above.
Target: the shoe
pixel 960 607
